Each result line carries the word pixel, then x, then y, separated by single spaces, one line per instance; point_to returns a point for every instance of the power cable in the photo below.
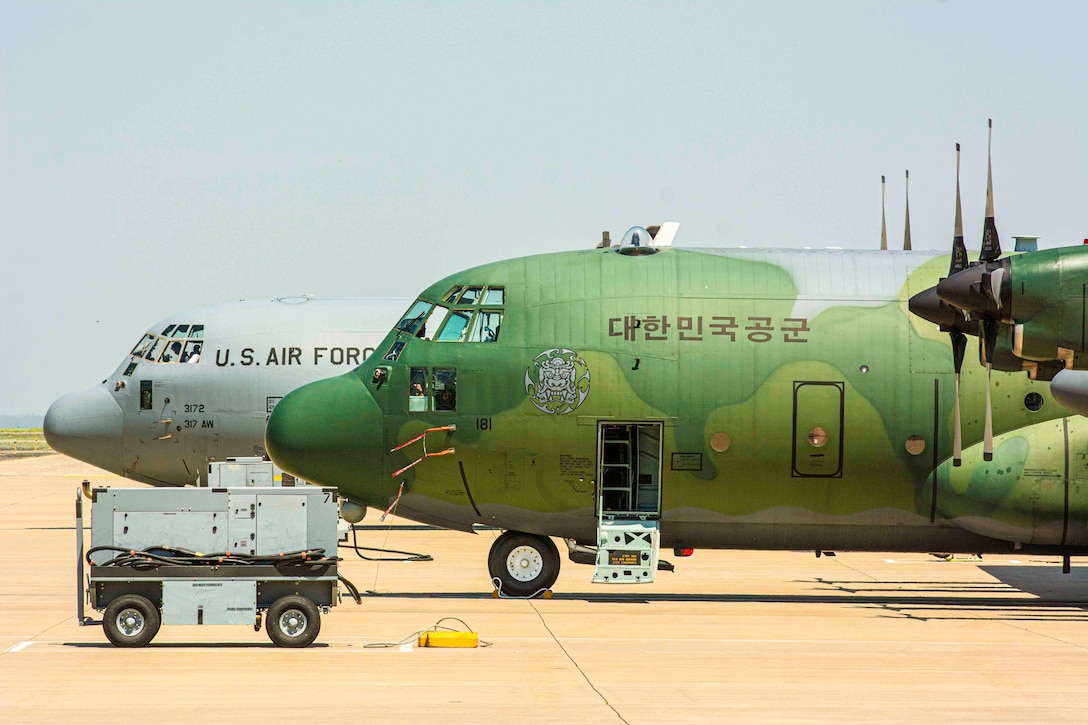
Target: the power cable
pixel 407 555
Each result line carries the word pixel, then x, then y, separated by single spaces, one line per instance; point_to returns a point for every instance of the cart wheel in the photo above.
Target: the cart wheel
pixel 131 621
pixel 293 621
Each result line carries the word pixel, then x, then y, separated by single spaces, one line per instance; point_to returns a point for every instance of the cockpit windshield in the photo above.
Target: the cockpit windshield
pixel 143 345
pixel 415 316
pixel 456 324
pixel 476 315
pixel 176 344
pixel 467 313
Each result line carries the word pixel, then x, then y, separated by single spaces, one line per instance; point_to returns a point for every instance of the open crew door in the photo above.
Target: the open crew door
pixel 628 502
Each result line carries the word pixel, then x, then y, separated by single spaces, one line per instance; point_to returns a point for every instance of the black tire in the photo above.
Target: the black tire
pixel 131 621
pixel 293 621
pixel 525 565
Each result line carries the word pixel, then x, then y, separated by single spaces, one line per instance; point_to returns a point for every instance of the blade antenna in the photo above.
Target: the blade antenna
pixel 883 219
pixel 906 228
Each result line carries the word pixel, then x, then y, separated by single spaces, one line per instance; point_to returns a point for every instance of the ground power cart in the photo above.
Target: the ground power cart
pixel 204 556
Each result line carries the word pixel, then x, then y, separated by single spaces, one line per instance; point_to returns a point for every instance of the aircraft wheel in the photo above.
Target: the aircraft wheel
pixel 524 564
pixel 293 621
pixel 131 621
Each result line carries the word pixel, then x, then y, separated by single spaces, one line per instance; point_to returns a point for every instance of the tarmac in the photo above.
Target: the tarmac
pixel 730 636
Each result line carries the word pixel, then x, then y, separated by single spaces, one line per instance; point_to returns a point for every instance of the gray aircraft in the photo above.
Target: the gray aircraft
pixel 199 386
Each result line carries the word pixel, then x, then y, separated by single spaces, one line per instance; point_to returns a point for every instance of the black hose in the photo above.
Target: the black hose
pixel 407 555
pixel 146 559
pixel 351 589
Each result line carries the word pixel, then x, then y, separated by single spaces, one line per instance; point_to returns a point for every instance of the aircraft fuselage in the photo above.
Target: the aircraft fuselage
pixel 741 398
pixel 199 386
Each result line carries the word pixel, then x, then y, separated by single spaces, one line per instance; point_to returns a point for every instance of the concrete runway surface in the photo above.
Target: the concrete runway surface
pixel 730 636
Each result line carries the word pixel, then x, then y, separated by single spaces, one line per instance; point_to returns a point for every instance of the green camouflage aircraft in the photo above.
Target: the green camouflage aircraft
pixel 632 397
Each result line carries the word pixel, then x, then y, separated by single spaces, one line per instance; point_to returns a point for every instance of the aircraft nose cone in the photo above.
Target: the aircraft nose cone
pixel 328 432
pixel 963 289
pixel 86 424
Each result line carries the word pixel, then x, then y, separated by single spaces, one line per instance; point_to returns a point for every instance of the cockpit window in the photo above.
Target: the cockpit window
pixel 178 343
pixel 417 390
pixel 191 353
pixel 156 349
pixel 434 322
pixel 394 351
pixel 456 324
pixel 141 347
pixel 485 328
pixel 172 353
pixel 445 389
pixel 413 320
pixel 470 296
pixel 464 320
pixel 432 389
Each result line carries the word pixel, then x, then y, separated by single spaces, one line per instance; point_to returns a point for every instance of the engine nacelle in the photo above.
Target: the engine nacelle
pixel 1022 495
pixel 1070 388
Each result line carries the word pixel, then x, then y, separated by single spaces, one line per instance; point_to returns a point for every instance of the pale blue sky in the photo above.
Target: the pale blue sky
pixel 160 156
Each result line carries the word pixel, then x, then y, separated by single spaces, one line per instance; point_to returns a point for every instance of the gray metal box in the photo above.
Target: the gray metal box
pixel 209 601
pixel 254 521
pixel 241 473
pixel 206 530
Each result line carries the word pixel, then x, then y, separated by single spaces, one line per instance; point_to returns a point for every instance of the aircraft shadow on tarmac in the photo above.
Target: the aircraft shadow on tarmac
pixel 1055 596
pixel 191 645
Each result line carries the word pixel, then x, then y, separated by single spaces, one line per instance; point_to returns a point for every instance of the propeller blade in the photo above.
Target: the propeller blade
pixel 988 430
pixel 906 227
pixel 991 245
pixel 959 249
pixel 883 219
pixel 959 348
pixel 987 347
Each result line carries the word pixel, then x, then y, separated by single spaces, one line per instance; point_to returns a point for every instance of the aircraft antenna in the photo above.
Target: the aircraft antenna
pixel 883 219
pixel 906 226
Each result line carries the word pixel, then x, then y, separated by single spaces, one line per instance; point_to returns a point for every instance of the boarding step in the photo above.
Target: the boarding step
pixel 627 551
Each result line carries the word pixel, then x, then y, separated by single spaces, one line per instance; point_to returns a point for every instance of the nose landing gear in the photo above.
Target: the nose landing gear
pixel 523 565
